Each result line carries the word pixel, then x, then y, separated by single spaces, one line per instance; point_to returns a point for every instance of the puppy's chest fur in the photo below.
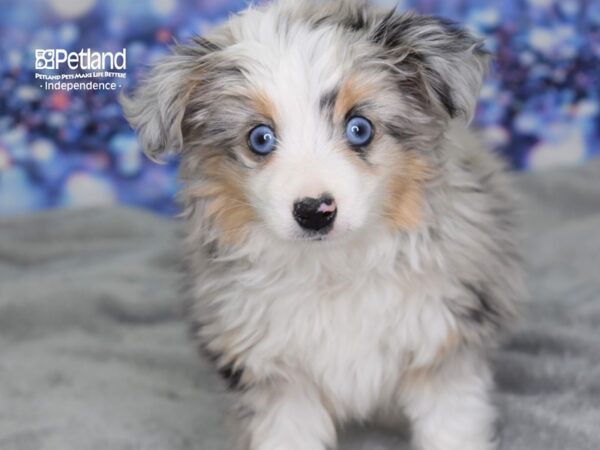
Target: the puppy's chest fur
pixel 357 339
pixel 352 332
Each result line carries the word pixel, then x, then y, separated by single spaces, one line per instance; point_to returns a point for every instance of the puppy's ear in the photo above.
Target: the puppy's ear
pixel 442 59
pixel 157 107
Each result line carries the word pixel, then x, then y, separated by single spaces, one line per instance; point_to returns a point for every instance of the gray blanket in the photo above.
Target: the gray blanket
pixel 93 354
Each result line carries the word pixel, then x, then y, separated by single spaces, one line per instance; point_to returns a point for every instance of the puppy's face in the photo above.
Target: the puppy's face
pixel 309 122
pixel 306 133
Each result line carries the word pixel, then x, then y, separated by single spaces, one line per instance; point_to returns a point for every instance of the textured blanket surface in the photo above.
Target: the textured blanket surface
pixel 93 354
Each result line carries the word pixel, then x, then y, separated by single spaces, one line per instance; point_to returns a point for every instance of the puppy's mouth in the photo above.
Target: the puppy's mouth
pixel 314 237
pixel 335 234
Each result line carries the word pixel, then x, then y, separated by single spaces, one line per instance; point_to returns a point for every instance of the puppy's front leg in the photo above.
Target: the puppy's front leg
pixel 449 406
pixel 284 416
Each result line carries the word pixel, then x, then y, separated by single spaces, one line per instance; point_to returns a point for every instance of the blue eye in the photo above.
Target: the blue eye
pixel 261 140
pixel 359 131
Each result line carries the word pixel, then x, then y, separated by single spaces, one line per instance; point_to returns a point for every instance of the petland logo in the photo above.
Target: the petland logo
pixel 85 59
pixel 98 65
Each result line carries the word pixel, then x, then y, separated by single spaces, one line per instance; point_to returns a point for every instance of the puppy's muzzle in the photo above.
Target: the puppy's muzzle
pixel 315 214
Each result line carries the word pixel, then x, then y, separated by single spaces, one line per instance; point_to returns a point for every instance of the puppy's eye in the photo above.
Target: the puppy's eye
pixel 359 131
pixel 261 140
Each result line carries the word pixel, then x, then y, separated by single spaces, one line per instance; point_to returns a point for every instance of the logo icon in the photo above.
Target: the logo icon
pixel 44 59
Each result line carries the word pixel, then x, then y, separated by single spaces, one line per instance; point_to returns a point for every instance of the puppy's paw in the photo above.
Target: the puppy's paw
pixel 450 407
pixel 284 417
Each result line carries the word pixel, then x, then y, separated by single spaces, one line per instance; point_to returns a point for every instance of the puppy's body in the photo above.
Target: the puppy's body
pixel 353 328
pixel 393 306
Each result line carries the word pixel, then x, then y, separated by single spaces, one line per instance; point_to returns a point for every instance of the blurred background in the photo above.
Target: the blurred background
pixel 539 106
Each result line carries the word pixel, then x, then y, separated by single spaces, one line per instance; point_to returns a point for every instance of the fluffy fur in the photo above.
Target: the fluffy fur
pixel 391 312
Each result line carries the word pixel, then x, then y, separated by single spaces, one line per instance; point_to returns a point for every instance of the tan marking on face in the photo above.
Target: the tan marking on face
pixel 267 110
pixel 403 202
pixel 263 105
pixel 226 203
pixel 352 93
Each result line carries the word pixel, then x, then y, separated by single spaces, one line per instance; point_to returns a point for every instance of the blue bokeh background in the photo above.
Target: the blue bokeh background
pixel 539 106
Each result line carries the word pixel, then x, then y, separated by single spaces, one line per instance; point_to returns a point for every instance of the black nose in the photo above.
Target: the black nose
pixel 315 214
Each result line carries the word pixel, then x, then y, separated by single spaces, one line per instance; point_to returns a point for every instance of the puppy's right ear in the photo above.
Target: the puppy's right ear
pixel 438 61
pixel 156 108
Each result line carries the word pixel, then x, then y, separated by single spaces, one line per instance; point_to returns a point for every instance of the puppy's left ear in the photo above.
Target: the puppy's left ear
pixel 435 56
pixel 157 108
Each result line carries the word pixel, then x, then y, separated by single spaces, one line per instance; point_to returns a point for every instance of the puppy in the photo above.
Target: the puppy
pixel 350 248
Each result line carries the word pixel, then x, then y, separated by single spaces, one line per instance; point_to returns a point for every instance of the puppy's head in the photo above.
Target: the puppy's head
pixel 309 120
